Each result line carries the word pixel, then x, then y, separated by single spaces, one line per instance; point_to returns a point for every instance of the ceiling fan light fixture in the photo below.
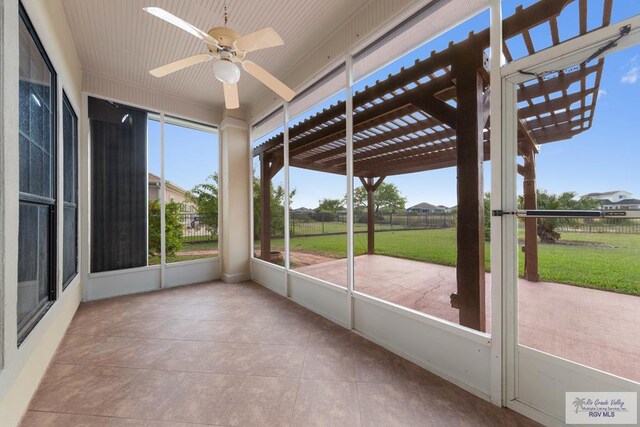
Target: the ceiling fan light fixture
pixel 226 71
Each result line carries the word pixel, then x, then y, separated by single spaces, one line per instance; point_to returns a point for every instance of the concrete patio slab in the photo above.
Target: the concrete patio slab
pixel 595 328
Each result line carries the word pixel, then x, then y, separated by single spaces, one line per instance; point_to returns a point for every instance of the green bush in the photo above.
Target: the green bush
pixel 205 197
pixel 173 228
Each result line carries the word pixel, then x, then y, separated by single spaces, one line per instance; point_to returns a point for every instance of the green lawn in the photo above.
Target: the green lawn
pixel 596 260
pixel 199 246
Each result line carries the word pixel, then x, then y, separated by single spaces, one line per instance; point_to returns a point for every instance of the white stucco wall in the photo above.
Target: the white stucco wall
pixel 22 368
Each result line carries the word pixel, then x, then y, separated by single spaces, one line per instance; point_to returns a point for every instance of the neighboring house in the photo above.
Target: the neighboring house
pixel 625 204
pixel 425 207
pixel 610 196
pixel 173 193
pixel 618 199
pixel 303 210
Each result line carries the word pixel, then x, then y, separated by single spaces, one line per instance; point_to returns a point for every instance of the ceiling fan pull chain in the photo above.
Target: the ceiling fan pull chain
pixel 226 15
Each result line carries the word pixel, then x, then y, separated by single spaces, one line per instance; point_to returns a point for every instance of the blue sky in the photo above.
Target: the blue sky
pixel 190 155
pixel 603 158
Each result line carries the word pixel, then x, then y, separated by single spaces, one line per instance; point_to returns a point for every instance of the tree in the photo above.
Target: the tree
pixel 359 198
pixel 487 216
pixel 546 228
pixel 276 197
pixel 387 197
pixel 173 228
pixel 329 205
pixel 205 197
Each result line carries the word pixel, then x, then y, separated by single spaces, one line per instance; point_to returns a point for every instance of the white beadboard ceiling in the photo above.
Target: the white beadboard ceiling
pixel 116 39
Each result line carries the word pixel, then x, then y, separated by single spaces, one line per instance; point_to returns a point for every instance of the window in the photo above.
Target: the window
pixel 191 182
pixel 37 130
pixel 70 229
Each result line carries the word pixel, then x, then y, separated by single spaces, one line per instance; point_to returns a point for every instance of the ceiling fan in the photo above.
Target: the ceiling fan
pixel 227 48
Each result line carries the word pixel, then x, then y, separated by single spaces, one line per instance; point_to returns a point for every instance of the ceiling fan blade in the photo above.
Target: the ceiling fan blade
pixel 262 39
pixel 180 23
pixel 269 80
pixel 180 64
pixel 231 96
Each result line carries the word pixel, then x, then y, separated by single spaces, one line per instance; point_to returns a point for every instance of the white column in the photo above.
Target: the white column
pixel 235 194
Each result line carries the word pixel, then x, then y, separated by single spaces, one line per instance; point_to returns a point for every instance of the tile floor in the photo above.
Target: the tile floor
pixel 237 355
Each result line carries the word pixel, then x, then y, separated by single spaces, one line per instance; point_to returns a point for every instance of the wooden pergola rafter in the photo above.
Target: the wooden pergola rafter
pixel 435 114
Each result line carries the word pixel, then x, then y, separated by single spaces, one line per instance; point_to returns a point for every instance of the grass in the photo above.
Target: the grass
pixel 595 260
pixel 197 246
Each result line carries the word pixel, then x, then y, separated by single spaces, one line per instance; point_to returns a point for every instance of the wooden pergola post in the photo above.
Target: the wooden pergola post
pixel 371 187
pixel 470 298
pixel 265 208
pixel 530 224
pixel 270 164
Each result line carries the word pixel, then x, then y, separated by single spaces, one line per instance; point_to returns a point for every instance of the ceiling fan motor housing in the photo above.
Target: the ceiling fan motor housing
pixel 225 36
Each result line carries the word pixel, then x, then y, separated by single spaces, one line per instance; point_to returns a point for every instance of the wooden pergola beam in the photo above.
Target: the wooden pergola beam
pixel 563 81
pixel 562 103
pixel 363 119
pixel 383 137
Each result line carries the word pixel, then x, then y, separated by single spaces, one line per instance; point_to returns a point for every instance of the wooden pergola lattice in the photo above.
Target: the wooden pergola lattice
pixel 435 114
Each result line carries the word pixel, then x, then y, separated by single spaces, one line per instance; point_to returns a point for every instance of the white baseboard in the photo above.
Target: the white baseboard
pixel 236 277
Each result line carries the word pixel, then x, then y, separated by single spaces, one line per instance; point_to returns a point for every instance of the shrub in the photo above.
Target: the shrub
pixel 173 228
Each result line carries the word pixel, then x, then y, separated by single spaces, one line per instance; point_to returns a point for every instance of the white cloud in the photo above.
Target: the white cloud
pixel 631 76
pixel 633 73
pixel 601 93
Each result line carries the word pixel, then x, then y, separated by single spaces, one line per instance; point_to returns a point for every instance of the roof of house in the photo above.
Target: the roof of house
pixel 425 205
pixel 625 202
pixel 605 193
pixel 155 179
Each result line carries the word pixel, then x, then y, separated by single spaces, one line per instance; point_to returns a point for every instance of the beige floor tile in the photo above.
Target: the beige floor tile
pixel 79 389
pixel 144 397
pixel 255 359
pixel 389 405
pixel 203 398
pixel 326 403
pixel 50 419
pixel 263 401
pixel 329 363
pixel 375 364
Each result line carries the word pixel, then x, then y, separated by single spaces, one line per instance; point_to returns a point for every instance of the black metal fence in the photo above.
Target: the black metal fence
pixel 199 227
pixel 322 223
pixel 602 225
pixel 312 223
